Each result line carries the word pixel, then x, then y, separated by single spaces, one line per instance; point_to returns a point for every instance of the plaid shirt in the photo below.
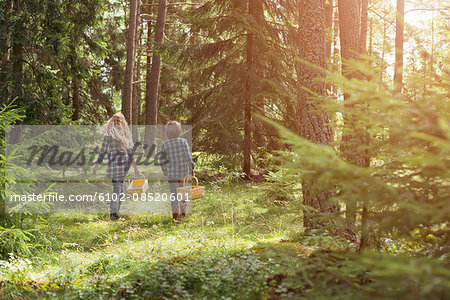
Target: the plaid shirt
pixel 176 161
pixel 119 160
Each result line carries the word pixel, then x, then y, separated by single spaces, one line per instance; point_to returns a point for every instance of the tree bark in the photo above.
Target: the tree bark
pixel 370 38
pixel 336 49
pixel 336 33
pixel 383 49
pixel 363 50
pixel 75 100
pixel 363 30
pixel 259 127
pixel 6 94
pixel 17 56
pixel 248 100
pixel 136 101
pixel 17 59
pixel 152 88
pixel 148 66
pixel 127 94
pixel 254 11
pixel 349 24
pixel 328 26
pixel 399 30
pixel 328 5
pixel 314 121
pixel 8 7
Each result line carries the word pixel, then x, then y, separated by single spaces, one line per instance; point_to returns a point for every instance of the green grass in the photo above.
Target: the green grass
pixel 73 251
pixel 233 246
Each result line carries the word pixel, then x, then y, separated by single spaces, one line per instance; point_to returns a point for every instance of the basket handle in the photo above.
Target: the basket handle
pixel 190 176
pixel 131 177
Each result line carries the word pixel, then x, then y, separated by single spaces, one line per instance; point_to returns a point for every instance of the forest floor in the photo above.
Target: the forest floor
pixel 235 245
pixel 77 255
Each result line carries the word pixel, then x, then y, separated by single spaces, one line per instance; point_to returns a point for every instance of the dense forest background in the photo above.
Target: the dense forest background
pixel 321 130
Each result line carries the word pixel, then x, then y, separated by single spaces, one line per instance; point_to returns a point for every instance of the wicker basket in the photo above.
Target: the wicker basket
pixel 192 192
pixel 137 186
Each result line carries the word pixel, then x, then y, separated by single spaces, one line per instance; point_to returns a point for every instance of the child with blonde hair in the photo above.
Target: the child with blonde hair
pixel 118 144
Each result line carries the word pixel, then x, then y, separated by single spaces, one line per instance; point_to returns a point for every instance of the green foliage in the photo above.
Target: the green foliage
pixel 216 165
pixel 280 187
pixel 221 76
pixel 232 276
pixel 8 115
pixel 240 275
pixel 216 253
pixel 401 196
pixel 14 241
pixel 338 275
pixel 49 48
pixel 405 188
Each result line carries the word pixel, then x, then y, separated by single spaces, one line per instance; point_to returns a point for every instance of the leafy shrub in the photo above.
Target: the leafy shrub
pixel 236 276
pixel 14 241
pixel 280 188
pixel 8 115
pixel 225 277
pixel 405 189
pixel 340 275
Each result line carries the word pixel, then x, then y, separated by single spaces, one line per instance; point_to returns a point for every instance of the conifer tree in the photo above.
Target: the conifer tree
pixel 51 67
pixel 349 30
pixel 152 88
pixel 399 28
pixel 314 122
pixel 131 54
pixel 226 71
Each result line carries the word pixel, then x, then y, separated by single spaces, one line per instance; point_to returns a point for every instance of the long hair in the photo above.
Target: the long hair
pixel 117 128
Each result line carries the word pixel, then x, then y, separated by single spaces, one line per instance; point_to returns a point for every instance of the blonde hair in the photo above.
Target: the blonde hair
pixel 173 129
pixel 117 128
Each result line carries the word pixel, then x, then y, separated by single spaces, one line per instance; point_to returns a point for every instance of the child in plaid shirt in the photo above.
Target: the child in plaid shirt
pixel 178 163
pixel 118 144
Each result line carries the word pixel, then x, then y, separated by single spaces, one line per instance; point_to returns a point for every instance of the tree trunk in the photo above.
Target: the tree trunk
pixel 363 50
pixel 8 7
pixel 5 95
pixel 17 60
pixel 383 50
pixel 371 38
pixel 328 4
pixel 17 76
pixel 349 24
pixel 314 122
pixel 363 30
pixel 259 127
pixel 148 66
pixel 328 26
pixel 336 33
pixel 127 94
pixel 399 29
pixel 336 50
pixel 151 97
pixel 75 100
pixel 248 96
pixel 256 12
pixel 5 218
pixel 136 101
